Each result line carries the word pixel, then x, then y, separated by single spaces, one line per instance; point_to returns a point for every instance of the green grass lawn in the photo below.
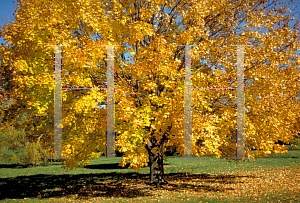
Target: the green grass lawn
pixel 190 180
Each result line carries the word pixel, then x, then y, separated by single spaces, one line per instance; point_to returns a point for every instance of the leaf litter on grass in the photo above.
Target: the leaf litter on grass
pixel 254 185
pixel 260 184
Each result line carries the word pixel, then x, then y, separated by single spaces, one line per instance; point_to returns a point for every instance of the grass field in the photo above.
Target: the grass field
pixel 269 179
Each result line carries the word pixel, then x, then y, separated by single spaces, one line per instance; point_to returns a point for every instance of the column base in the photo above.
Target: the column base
pixel 240 158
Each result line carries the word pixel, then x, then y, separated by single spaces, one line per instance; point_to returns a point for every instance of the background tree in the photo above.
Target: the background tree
pixel 17 148
pixel 152 116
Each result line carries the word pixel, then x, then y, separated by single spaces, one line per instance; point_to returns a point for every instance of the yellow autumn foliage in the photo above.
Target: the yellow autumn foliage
pixel 155 78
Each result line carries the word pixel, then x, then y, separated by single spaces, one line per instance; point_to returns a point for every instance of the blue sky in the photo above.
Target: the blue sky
pixel 6 13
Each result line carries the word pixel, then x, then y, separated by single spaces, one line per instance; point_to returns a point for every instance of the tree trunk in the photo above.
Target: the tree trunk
pixel 156 161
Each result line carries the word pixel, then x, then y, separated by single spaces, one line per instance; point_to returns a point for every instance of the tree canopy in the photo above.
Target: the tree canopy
pixel 154 78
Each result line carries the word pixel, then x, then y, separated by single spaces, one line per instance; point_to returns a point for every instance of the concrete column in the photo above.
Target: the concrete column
pixel 110 119
pixel 188 137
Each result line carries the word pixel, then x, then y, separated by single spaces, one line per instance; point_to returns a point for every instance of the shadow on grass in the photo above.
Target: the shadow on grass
pixel 281 157
pixel 90 166
pixel 128 185
pixel 112 166
pixel 18 166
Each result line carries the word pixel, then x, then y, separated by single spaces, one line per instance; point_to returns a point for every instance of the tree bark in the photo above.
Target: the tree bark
pixel 157 175
pixel 156 165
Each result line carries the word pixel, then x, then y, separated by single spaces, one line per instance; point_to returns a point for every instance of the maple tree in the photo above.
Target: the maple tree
pixel 152 116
